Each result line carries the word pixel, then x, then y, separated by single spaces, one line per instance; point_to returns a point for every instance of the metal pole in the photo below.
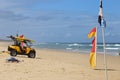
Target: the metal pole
pixel 104 46
pixel 96 47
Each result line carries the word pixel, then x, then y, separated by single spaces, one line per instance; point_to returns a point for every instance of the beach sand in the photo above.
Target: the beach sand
pixel 56 65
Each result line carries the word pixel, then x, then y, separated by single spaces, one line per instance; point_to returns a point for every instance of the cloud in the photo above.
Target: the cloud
pixel 9 15
pixel 50 25
pixel 44 18
pixel 12 4
pixel 30 18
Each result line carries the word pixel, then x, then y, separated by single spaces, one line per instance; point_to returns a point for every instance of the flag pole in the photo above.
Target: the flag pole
pixel 104 48
pixel 102 23
pixel 96 48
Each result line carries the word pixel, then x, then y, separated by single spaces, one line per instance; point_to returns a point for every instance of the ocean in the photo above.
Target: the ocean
pixel 111 48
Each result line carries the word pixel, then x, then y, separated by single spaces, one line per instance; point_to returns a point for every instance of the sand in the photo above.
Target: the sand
pixel 56 65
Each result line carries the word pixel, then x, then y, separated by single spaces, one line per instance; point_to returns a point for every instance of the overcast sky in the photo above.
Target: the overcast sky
pixel 58 20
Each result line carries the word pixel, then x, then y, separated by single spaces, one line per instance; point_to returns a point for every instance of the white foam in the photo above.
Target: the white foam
pixel 112 48
pixel 68 48
pixel 75 44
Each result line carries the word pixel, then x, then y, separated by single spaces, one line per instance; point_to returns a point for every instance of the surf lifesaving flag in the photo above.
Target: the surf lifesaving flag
pixel 100 16
pixel 92 34
pixel 101 19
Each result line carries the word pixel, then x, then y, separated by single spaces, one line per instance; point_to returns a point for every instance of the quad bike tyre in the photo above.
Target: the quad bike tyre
pixel 13 53
pixel 32 54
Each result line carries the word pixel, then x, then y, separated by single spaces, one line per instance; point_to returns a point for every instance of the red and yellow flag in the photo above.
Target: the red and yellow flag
pixel 92 33
pixel 93 49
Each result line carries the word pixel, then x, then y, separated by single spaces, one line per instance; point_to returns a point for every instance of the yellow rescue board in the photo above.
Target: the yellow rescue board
pixel 24 39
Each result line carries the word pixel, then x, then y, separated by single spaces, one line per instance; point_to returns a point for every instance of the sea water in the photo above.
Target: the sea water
pixel 111 48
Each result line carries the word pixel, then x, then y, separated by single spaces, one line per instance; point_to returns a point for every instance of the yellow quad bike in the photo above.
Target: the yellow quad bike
pixel 16 49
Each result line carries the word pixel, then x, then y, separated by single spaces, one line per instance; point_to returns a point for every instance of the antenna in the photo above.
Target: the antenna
pixel 17 34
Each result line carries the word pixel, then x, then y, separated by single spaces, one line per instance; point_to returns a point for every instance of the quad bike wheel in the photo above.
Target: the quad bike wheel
pixel 32 55
pixel 13 53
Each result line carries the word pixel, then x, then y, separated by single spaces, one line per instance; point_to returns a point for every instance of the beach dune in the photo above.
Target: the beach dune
pixel 57 65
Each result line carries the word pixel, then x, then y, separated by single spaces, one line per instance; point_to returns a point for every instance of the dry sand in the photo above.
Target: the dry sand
pixel 57 65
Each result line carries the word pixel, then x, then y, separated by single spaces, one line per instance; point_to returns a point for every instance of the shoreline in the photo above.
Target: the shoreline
pixel 112 49
pixel 83 52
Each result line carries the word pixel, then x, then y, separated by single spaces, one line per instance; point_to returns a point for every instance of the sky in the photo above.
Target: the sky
pixel 58 20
